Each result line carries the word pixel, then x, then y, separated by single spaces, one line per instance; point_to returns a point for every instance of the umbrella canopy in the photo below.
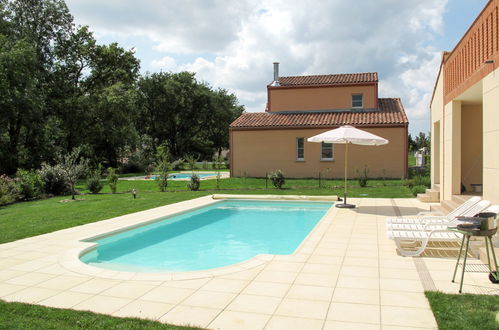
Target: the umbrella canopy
pixel 349 134
pixel 345 135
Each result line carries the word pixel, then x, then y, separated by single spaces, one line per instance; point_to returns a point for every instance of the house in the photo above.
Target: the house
pixel 299 107
pixel 465 114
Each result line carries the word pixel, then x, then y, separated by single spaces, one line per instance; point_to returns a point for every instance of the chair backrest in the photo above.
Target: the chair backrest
pixel 493 209
pixel 477 208
pixel 459 211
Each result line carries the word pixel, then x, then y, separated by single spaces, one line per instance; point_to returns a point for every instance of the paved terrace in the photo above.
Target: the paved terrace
pixel 345 275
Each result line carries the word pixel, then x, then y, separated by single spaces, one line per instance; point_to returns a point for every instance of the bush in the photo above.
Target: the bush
pixel 422 180
pixel 178 164
pixel 362 177
pixel 277 179
pixel 30 184
pixel 194 183
pixel 94 184
pixel 418 190
pixel 112 179
pixel 54 179
pixel 9 190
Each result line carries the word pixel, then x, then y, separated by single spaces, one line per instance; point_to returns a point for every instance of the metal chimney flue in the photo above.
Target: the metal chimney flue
pixel 276 74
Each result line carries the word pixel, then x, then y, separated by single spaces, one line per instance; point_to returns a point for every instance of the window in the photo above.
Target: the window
pixel 300 149
pixel 357 101
pixel 326 151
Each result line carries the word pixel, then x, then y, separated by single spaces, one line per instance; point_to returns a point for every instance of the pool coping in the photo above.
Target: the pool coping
pixel 70 260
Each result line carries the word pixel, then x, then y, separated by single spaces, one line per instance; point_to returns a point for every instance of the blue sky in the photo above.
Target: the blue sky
pixel 232 44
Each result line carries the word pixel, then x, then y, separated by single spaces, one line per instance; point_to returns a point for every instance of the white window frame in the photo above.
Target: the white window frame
pixel 361 101
pixel 298 159
pixel 332 152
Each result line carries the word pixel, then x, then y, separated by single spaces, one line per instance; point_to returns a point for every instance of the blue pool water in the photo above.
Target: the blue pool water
pixel 184 175
pixel 217 235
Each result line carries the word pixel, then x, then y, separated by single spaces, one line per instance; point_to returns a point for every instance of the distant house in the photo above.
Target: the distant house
pixel 302 106
pixel 465 113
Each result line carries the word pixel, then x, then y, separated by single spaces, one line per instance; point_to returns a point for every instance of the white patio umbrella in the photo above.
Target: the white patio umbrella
pixel 345 135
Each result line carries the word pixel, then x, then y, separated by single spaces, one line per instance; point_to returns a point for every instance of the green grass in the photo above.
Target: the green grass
pixel 464 311
pixel 25 316
pixel 32 218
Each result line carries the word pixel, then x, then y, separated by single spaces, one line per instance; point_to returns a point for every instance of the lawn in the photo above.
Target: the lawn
pixel 32 218
pixel 25 316
pixel 464 311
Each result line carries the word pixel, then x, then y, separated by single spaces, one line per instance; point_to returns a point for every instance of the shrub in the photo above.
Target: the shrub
pixel 162 167
pixel 422 180
pixel 94 184
pixel 277 178
pixel 191 161
pixel 418 190
pixel 178 164
pixel 30 184
pixel 362 177
pixel 54 180
pixel 9 190
pixel 194 183
pixel 112 179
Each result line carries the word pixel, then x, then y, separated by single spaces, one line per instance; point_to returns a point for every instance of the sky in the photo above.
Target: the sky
pixel 232 44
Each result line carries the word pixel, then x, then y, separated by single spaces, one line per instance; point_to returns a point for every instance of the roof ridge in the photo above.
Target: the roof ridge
pixel 330 74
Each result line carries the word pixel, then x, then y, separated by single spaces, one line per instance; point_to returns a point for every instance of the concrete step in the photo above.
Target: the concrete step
pixel 434 195
pixel 460 199
pixel 483 254
pixel 424 198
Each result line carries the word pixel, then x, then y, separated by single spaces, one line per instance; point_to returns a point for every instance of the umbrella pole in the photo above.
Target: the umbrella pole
pixel 345 205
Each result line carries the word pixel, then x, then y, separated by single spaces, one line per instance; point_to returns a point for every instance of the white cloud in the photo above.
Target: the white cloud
pixel 232 44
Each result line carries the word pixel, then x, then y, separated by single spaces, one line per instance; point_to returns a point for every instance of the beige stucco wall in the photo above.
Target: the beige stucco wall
pixel 320 98
pixel 451 184
pixel 257 152
pixel 471 145
pixel 491 136
pixel 437 140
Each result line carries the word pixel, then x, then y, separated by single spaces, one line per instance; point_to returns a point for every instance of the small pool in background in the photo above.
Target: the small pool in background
pixel 183 176
pixel 221 234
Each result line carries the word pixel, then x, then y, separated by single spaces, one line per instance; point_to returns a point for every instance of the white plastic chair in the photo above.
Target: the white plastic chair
pixel 436 216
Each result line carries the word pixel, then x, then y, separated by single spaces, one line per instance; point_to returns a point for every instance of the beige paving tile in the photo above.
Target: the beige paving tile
pixel 407 316
pixel 404 299
pixel 95 286
pixel 54 269
pixel 209 299
pixel 29 279
pixel 326 280
pixel 6 289
pixel 321 268
pixel 359 271
pixel 360 296
pixel 302 308
pixel 358 282
pixel 190 315
pixel 187 284
pixel 267 289
pixel 278 322
pixel 361 313
pixel 65 299
pixel 401 285
pixel 283 266
pixel 225 285
pixel 144 309
pixel 30 266
pixel 310 292
pixel 238 320
pixel 407 274
pixel 167 295
pixel 329 260
pixel 31 295
pixel 130 290
pixel 336 325
pixel 254 304
pixel 62 282
pixel 244 275
pixel 276 277
pixel 360 262
pixel 102 304
pixel 8 274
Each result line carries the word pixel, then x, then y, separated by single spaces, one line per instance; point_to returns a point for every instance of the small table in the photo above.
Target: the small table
pixel 487 235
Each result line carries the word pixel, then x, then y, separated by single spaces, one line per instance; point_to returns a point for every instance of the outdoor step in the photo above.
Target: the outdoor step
pixel 439 208
pixel 483 254
pixel 434 195
pixel 436 186
pixel 445 206
pixel 460 199
pixel 424 198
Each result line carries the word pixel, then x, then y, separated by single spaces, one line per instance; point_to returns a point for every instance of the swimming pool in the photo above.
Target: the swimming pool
pixel 183 176
pixel 221 234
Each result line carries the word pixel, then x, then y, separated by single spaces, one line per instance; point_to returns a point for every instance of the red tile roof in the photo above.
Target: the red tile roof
pixel 329 79
pixel 390 113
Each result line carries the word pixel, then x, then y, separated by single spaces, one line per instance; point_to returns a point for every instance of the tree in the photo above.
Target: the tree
pixel 162 167
pixel 73 167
